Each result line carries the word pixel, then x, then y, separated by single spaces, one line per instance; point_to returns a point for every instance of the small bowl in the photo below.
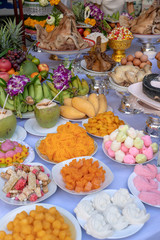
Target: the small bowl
pixel 152 127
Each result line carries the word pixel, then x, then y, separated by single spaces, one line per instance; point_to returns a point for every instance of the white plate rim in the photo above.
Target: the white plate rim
pixel 11 215
pixel 74 120
pixel 127 164
pixel 30 130
pixel 31 155
pixel 111 192
pixel 134 191
pixel 22 132
pixel 83 65
pixel 43 157
pixel 144 98
pixel 56 171
pixel 52 188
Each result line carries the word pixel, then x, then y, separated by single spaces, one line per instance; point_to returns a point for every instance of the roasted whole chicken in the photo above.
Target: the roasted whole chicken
pixel 98 61
pixel 63 37
pixel 148 22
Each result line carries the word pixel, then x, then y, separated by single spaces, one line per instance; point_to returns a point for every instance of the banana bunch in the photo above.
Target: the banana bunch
pixel 19 104
pixel 76 88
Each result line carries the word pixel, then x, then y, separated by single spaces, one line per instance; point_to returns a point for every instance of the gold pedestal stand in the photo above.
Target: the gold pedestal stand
pixel 119 47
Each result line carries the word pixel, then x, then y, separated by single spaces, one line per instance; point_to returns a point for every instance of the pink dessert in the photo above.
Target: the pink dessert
pixel 33 197
pixel 150 197
pixel 133 151
pixel 7 145
pixel 107 144
pixel 111 153
pixel 2 155
pixel 129 159
pixel 149 171
pixel 20 184
pixel 144 184
pixel 148 152
pixel 124 148
pixel 147 140
pixel 10 153
pixel 18 150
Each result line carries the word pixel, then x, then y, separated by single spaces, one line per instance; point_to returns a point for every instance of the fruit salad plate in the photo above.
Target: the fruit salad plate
pixel 113 159
pixel 32 127
pixel 31 155
pixel 76 233
pixel 57 176
pixel 46 159
pixel 19 134
pixel 117 234
pixel 134 190
pixel 52 187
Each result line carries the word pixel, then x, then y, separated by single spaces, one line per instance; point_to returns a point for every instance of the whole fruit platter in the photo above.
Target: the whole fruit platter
pixel 129 146
pixel 27 89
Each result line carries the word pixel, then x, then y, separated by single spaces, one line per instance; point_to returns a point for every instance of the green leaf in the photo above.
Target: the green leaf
pixel 3 82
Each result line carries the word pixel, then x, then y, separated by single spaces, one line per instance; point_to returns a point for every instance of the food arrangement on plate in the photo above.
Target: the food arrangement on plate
pixel 73 138
pixel 25 184
pixel 139 59
pixel 84 107
pixel 129 146
pixel 111 214
pixel 144 183
pixel 82 176
pixel 103 124
pixel 14 152
pixel 43 221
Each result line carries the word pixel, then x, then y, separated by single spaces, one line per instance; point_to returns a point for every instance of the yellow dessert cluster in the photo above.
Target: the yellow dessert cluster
pixel 39 224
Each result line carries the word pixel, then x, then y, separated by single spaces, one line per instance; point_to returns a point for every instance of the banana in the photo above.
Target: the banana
pixel 29 108
pixel 2 100
pixel 46 91
pixel 31 91
pixel 51 86
pixel 70 85
pixel 82 92
pixel 25 92
pixel 75 83
pixel 17 105
pixel 38 92
pixel 79 83
pixel 11 101
pixel 85 85
pixel 54 94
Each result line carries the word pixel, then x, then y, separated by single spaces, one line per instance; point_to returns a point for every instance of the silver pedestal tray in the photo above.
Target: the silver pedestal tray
pixel 34 9
pixel 148 41
pixel 125 106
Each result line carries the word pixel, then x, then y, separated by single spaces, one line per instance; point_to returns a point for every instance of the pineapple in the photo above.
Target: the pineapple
pixel 10 35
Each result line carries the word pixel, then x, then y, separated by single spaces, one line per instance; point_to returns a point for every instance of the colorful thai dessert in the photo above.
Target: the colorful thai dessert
pixel 147 182
pixel 12 152
pixel 25 182
pixel 130 146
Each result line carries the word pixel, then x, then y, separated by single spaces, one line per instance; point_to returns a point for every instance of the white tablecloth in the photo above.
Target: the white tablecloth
pixel 151 229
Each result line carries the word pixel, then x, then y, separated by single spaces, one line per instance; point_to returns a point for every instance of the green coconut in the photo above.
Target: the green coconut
pixel 47 115
pixel 8 124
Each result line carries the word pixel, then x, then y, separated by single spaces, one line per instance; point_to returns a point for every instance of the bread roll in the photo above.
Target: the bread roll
pixel 102 103
pixel 83 106
pixel 71 113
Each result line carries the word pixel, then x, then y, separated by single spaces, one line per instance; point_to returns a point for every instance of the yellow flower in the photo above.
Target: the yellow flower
pixel 92 22
pixel 87 20
pixel 49 28
pixel 54 2
pixel 2 160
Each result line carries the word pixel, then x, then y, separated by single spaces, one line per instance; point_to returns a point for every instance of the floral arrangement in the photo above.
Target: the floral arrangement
pixel 95 12
pixel 53 19
pixel 30 22
pixel 16 85
pixel 90 21
pixel 61 77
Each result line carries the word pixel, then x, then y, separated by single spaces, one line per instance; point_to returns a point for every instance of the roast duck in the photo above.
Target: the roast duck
pixel 64 36
pixel 98 61
pixel 148 22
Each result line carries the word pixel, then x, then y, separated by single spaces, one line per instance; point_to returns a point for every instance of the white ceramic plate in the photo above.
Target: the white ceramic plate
pixel 19 134
pixel 105 152
pixel 90 42
pixel 52 187
pixel 84 66
pixel 136 90
pixel 126 232
pixel 33 127
pixel 134 190
pixel 31 155
pixel 70 219
pixel 74 120
pixel 46 159
pixel 56 173
pixel 28 115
